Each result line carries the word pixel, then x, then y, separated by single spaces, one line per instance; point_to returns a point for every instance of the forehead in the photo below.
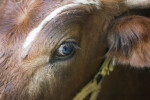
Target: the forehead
pixel 41 5
pixel 29 13
pixel 26 18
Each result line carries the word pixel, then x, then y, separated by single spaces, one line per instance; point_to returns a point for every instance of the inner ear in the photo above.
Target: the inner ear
pixel 129 40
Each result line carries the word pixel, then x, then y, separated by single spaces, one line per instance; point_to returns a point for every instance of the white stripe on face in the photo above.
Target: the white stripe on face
pixel 34 33
pixel 89 2
pixel 137 3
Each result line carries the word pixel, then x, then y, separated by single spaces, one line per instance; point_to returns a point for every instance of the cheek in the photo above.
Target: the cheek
pixel 64 79
pixel 70 76
pixel 56 81
pixel 40 82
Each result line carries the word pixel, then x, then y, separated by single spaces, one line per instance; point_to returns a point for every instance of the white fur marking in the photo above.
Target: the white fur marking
pixel 33 34
pixel 31 2
pixel 89 2
pixel 133 3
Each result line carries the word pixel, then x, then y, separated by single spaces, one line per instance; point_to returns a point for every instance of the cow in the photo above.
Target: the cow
pixel 49 49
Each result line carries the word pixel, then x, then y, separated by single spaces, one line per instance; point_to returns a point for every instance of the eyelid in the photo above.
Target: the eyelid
pixel 73 42
pixel 55 58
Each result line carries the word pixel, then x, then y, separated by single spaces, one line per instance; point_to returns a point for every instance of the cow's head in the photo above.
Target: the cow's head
pixel 49 49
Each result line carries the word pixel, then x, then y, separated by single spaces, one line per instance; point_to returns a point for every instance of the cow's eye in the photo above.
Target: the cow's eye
pixel 66 50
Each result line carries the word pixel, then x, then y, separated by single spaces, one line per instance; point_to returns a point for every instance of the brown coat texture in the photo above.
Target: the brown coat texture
pixel 37 73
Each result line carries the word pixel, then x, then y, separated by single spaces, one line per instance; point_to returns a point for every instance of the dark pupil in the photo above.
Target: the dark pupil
pixel 67 49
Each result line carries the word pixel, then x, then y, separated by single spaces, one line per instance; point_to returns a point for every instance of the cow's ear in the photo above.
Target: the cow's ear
pixel 129 41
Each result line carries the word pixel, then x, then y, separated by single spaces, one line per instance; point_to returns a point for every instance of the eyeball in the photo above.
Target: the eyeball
pixel 66 49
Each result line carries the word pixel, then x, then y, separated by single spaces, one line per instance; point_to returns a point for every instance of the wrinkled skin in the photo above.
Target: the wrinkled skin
pixel 35 74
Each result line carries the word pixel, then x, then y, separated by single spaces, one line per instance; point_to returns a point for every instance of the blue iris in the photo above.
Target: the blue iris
pixel 67 49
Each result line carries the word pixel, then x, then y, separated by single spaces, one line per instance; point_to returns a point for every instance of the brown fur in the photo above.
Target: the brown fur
pixel 18 76
pixel 34 76
pixel 129 40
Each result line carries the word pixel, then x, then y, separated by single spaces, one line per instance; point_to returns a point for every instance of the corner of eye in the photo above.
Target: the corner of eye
pixel 77 47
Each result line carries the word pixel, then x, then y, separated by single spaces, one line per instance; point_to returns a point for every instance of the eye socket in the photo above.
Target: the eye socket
pixel 66 50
